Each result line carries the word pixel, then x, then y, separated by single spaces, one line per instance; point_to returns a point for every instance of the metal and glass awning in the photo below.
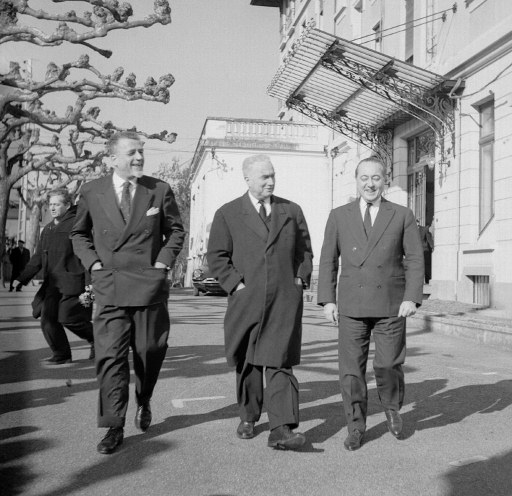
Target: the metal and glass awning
pixel 361 93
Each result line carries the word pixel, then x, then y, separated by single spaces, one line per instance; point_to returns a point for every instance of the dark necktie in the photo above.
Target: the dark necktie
pixel 126 201
pixel 263 213
pixel 367 220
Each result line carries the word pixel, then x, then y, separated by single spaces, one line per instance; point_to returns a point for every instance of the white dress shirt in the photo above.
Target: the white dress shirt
pixel 118 186
pixel 257 204
pixel 374 209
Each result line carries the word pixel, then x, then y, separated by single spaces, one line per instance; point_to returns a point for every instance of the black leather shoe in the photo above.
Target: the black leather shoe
pixel 111 441
pixel 143 417
pixel 394 422
pixel 92 354
pixel 53 360
pixel 283 437
pixel 354 440
pixel 245 430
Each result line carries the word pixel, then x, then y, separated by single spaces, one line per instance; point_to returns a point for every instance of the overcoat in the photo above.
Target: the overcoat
pixel 378 273
pixel 154 233
pixel 263 320
pixel 61 270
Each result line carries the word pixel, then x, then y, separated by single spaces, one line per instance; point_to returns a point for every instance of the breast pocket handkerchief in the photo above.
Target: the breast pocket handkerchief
pixel 152 211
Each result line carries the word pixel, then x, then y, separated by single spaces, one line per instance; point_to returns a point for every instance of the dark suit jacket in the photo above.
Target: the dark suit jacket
pixel 377 274
pixel 128 252
pixel 263 320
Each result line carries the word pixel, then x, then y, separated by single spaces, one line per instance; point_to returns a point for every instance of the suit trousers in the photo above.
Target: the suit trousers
pixel 354 344
pixel 281 394
pixel 53 320
pixel 146 330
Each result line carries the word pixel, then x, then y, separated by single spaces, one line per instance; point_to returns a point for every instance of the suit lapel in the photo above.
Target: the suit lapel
pixel 356 224
pixel 140 206
pixel 386 213
pixel 107 200
pixel 252 219
pixel 277 220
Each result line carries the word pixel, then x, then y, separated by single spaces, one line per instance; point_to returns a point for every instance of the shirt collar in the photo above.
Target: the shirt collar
pixel 256 202
pixel 119 181
pixel 363 202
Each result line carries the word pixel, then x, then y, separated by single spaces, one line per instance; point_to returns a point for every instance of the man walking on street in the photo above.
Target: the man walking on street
pixel 128 233
pixel 64 279
pixel 260 250
pixel 380 284
pixel 19 258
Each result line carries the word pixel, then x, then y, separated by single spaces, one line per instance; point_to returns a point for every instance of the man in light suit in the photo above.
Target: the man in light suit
pixel 260 250
pixel 128 233
pixel 380 284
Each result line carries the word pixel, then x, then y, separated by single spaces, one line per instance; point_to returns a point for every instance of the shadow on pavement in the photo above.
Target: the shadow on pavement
pixel 131 457
pixel 15 478
pixel 487 477
pixel 433 410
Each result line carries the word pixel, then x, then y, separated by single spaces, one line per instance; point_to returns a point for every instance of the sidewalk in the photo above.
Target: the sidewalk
pixel 464 320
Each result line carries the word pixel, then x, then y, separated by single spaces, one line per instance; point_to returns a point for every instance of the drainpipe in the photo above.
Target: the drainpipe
pixel 459 162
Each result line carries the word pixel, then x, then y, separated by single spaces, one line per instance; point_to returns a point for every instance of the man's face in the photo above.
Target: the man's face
pixel 261 180
pixel 370 181
pixel 128 158
pixel 57 206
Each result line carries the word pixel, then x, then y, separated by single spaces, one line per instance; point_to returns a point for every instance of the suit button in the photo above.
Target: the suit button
pixel 360 285
pixel 379 286
pixel 379 266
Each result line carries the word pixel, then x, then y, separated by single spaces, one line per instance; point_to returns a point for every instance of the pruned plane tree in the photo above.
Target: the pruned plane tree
pixel 40 147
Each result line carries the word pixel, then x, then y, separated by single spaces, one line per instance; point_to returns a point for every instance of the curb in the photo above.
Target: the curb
pixel 495 333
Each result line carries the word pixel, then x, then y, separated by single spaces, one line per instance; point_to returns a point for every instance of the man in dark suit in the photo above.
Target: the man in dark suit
pixel 260 250
pixel 19 258
pixel 380 284
pixel 427 242
pixel 128 233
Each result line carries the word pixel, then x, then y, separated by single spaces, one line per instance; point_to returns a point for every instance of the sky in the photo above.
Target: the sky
pixel 222 53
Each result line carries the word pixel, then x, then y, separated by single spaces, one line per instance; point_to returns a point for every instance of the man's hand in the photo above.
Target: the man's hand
pixel 96 266
pixel 331 312
pixel 407 308
pixel 160 265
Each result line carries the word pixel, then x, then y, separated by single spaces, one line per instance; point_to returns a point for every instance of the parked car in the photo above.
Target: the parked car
pixel 204 282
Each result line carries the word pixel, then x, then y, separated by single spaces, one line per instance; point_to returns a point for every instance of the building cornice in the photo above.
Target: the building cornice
pixel 483 58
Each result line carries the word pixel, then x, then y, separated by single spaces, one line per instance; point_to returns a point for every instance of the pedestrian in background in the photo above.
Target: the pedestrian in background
pixel 128 234
pixel 64 279
pixel 380 284
pixel 6 264
pixel 260 251
pixel 19 258
pixel 428 247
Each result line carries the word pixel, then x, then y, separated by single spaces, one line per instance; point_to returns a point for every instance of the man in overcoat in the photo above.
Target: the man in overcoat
pixel 260 251
pixel 128 233
pixel 380 284
pixel 64 279
pixel 19 258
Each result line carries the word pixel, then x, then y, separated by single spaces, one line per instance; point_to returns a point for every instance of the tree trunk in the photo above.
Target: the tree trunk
pixel 4 210
pixel 33 228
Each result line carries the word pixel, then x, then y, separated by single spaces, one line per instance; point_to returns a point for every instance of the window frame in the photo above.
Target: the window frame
pixel 485 142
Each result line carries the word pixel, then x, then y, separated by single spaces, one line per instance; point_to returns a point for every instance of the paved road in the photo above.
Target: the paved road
pixel 458 414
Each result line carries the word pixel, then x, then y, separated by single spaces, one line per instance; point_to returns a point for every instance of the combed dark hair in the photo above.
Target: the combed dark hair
pixel 375 160
pixel 66 195
pixel 112 142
